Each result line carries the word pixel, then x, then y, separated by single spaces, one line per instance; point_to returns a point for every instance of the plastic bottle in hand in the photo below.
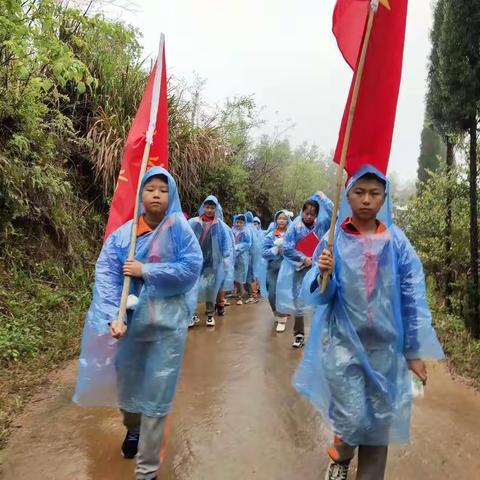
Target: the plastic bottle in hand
pixel 418 390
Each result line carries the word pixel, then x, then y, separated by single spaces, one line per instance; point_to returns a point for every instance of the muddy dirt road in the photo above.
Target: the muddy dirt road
pixel 236 417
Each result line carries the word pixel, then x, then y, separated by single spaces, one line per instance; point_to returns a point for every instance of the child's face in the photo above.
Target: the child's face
pixel 239 224
pixel 155 197
pixel 309 215
pixel 209 210
pixel 282 221
pixel 366 198
pixel 256 225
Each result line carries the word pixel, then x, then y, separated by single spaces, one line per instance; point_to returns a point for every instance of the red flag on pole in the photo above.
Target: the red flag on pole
pixel 374 119
pixel 150 125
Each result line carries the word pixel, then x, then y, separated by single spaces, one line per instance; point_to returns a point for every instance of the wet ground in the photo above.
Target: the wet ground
pixel 236 417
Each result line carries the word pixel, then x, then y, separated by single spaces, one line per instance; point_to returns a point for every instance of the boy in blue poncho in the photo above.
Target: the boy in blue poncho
pixel 243 244
pixel 272 252
pixel 313 222
pixel 138 372
pixel 258 264
pixel 251 286
pixel 228 286
pixel 372 325
pixel 212 236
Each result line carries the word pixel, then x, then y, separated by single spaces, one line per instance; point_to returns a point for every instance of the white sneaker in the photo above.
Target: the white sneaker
pixel 210 322
pixel 337 471
pixel 239 302
pixel 281 326
pixel 193 321
pixel 298 341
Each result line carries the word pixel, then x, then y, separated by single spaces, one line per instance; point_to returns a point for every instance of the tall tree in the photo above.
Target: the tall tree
pixel 437 99
pixel 459 62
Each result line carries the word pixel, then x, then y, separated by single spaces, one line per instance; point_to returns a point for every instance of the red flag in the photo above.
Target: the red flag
pixel 155 106
pixel 349 19
pixel 374 119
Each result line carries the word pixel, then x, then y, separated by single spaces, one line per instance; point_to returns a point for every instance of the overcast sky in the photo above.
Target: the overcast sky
pixel 283 52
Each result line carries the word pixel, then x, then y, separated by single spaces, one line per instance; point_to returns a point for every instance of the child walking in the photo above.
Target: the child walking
pixel 307 228
pixel 211 233
pixel 273 254
pixel 372 326
pixel 138 371
pixel 251 285
pixel 259 265
pixel 243 244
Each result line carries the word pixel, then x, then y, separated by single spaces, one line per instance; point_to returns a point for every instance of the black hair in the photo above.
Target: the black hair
pixel 161 176
pixel 373 177
pixel 210 202
pixel 241 217
pixel 311 203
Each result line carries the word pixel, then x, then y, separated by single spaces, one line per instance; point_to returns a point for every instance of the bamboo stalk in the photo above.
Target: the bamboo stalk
pixel 348 131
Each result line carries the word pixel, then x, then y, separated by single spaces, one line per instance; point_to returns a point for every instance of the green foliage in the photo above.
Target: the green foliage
pixel 424 222
pixel 282 177
pixel 432 153
pixel 42 303
pixel 228 182
pixel 462 351
pixel 452 107
pixel 459 60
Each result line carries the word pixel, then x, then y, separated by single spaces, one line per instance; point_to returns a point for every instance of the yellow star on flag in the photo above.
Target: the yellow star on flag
pixel 386 4
pixel 152 161
pixel 122 177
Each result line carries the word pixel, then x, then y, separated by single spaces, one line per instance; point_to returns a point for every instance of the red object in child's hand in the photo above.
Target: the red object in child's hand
pixel 308 244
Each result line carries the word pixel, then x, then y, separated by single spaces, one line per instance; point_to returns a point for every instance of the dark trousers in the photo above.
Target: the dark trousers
pixel 272 277
pixel 372 460
pixel 299 326
pixel 209 308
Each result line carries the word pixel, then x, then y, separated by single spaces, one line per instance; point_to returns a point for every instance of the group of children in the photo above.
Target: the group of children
pixel 271 262
pixel 371 324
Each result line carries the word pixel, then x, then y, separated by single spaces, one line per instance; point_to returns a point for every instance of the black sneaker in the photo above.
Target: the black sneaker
pixel 220 309
pixel 130 444
pixel 337 471
pixel 298 341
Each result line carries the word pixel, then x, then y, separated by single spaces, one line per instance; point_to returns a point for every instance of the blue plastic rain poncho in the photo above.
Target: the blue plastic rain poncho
pixel 228 284
pixel 216 248
pixel 243 244
pixel 291 273
pixel 272 253
pixel 254 249
pixel 372 317
pixel 139 372
pixel 258 264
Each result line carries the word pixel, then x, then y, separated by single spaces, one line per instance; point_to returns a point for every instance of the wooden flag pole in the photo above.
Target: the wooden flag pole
pixel 348 130
pixel 119 324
